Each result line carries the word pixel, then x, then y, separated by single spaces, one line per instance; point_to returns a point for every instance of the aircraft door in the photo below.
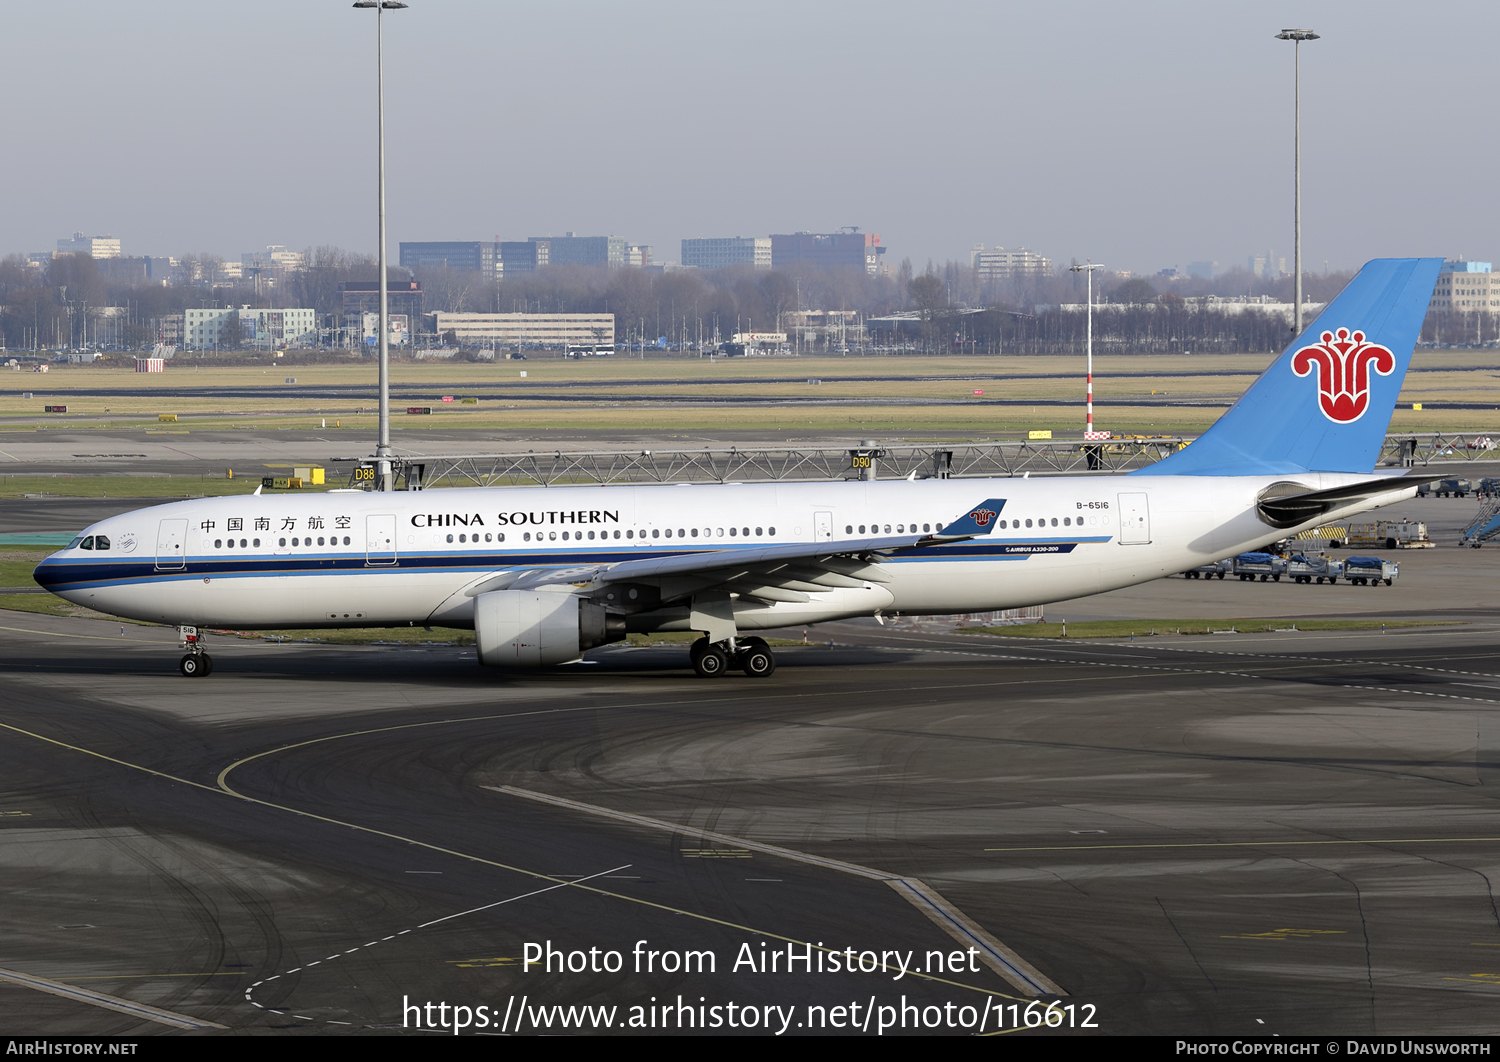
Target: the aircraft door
pixel 171 545
pixel 1134 516
pixel 380 540
pixel 822 527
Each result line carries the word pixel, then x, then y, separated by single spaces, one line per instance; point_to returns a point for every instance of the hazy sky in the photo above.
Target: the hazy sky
pixel 1143 135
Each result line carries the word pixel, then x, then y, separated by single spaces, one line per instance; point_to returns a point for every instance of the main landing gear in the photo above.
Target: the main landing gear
pixel 195 663
pixel 752 655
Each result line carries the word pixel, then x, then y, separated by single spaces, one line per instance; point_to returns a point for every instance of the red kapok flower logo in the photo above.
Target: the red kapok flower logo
pixel 982 517
pixel 1344 361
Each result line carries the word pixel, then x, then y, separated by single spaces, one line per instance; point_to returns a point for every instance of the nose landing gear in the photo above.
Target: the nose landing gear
pixel 195 663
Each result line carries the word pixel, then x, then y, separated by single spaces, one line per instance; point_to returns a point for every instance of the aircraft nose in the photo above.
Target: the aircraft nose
pixel 49 573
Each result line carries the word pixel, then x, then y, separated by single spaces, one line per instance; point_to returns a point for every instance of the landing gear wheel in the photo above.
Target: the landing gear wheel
pixel 758 661
pixel 191 666
pixel 710 661
pixel 208 664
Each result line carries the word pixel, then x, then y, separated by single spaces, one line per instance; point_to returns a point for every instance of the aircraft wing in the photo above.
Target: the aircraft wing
pixel 789 572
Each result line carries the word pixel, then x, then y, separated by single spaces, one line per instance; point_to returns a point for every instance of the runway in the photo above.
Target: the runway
pixel 1240 835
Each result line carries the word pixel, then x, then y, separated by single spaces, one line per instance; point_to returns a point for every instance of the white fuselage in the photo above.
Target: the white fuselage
pixel 360 559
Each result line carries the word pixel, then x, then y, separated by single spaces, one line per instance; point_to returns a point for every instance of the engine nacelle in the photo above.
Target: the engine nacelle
pixel 534 628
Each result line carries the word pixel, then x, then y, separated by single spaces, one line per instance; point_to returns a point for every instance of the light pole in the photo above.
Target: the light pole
pixel 383 447
pixel 1297 36
pixel 1089 433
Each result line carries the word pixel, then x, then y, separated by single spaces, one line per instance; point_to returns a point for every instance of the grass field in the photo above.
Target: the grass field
pixel 696 396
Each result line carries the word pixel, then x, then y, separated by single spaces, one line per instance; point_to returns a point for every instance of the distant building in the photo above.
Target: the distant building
pixel 1205 270
pixel 721 252
pixel 638 257
pixel 846 249
pixel 1268 266
pixel 93 246
pixel 469 256
pixel 397 325
pixel 526 329
pixel 1000 264
pixel 363 296
pixel 272 264
pixel 524 256
pixel 568 249
pixel 259 329
pixel 1467 287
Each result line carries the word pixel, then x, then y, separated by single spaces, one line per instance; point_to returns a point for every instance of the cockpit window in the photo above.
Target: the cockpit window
pixel 76 543
pixel 101 542
pixel 87 543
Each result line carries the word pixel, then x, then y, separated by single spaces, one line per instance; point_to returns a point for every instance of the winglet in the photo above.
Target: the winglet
pixel 979 520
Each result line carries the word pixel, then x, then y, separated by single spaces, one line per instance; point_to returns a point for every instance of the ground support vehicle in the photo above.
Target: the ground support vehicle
pixel 1392 534
pixel 1453 488
pixel 1217 569
pixel 1370 571
pixel 1262 566
pixel 1483 527
pixel 1314 569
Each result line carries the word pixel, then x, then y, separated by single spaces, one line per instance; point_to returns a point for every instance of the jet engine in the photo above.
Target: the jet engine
pixel 534 628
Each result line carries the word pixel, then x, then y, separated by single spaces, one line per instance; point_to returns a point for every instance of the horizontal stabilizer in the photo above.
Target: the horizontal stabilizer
pixel 1289 504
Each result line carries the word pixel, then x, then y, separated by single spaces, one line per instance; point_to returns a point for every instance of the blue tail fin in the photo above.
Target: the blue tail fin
pixel 1325 404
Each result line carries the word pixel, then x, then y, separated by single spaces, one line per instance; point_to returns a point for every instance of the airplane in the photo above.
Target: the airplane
pixel 544 574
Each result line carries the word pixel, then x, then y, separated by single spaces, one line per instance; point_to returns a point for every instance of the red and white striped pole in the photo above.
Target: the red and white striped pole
pixel 1089 434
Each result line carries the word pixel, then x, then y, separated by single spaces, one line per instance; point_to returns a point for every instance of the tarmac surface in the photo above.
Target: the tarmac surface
pixel 1241 834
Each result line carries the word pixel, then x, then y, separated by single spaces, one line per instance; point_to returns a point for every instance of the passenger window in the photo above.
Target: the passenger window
pixel 218 544
pixel 1054 521
pixel 257 543
pixel 498 538
pixel 745 532
pixel 320 540
pixel 720 532
pixel 450 539
pixel 591 536
pixel 926 528
pixel 695 532
pixel 1028 523
pixel 526 537
pixel 848 529
pixel 656 533
pixel 888 529
pixel 565 536
pixel 669 532
pixel 757 530
pixel 770 531
pixel 680 532
pixel 282 542
pixel 861 529
pixel 552 536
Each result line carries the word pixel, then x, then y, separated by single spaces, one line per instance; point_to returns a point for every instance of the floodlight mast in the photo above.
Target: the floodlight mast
pixel 1297 36
pixel 383 455
pixel 1088 423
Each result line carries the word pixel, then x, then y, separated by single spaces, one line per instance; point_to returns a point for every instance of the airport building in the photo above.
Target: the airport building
pixel 93 246
pixel 846 249
pixel 1467 287
pixel 259 329
pixel 722 252
pixel 525 330
pixel 1000 264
